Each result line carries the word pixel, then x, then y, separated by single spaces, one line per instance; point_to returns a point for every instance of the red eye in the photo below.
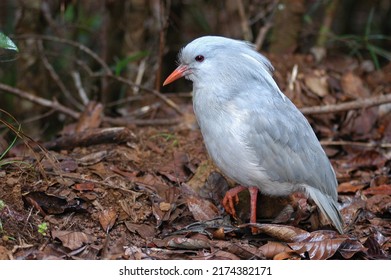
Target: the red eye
pixel 199 58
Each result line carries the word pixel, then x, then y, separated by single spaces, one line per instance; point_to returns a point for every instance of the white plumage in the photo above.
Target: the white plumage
pixel 252 131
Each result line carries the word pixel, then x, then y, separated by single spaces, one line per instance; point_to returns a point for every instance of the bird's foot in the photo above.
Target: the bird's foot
pixel 231 198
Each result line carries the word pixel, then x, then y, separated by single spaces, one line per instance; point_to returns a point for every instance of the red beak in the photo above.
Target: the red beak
pixel 178 73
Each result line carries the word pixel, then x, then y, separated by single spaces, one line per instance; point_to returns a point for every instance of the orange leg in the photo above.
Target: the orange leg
pixel 253 204
pixel 231 198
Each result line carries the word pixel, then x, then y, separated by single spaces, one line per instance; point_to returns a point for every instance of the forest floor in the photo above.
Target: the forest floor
pixel 150 192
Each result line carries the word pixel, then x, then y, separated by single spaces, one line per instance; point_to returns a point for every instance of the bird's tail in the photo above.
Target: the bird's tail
pixel 328 206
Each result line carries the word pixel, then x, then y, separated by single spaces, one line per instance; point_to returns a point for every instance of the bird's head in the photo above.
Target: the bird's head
pixel 214 58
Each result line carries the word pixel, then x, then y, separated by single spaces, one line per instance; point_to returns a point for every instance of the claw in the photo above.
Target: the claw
pixel 231 198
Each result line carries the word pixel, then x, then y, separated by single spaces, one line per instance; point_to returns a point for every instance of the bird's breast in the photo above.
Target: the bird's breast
pixel 224 129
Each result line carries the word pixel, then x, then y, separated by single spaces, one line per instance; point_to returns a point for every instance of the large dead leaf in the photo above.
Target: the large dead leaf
pixel 144 230
pixel 282 232
pixel 350 187
pixel 201 208
pixel 73 239
pixel 318 250
pixel 50 204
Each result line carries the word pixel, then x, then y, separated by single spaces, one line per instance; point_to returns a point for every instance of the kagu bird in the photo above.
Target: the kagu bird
pixel 252 131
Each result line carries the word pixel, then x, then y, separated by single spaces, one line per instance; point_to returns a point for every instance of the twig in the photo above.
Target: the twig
pixel 91 137
pixel 76 115
pixel 359 144
pixel 107 73
pixel 261 35
pixel 56 78
pixel 127 121
pixel 247 34
pixel 82 93
pixel 40 101
pixel 69 42
pixel 346 106
pixel 79 178
pixel 34 118
pixel 140 74
pixel 130 83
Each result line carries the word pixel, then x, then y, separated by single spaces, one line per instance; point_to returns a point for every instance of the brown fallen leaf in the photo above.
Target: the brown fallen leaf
pixel 84 186
pixel 193 243
pixel 170 197
pixel 380 180
pixel 318 250
pixel 382 189
pixel 379 204
pixel 374 248
pixel 317 83
pixel 350 187
pixel 44 203
pixel 287 256
pixel 176 171
pixel 144 230
pixel 366 159
pixel 93 158
pixel 272 248
pixel 242 250
pixel 72 239
pixel 351 247
pixel 206 172
pixel 353 85
pixel 107 219
pixel 91 117
pixel 4 253
pixel 281 232
pixel 202 209
pixel 222 255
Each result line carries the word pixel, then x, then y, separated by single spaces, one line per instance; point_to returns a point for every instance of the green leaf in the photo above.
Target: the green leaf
pixel 6 43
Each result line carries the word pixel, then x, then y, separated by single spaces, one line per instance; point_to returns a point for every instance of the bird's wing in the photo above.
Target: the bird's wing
pixel 285 145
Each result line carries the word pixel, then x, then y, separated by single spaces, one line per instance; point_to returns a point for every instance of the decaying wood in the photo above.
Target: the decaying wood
pixel 91 137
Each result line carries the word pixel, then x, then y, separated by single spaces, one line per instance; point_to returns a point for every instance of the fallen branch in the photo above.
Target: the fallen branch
pixel 346 106
pixel 75 44
pixel 40 101
pixel 358 144
pixel 76 115
pixel 90 137
pixel 158 94
pixel 141 122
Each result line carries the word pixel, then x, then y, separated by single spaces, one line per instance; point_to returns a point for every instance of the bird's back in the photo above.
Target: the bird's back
pixel 258 137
